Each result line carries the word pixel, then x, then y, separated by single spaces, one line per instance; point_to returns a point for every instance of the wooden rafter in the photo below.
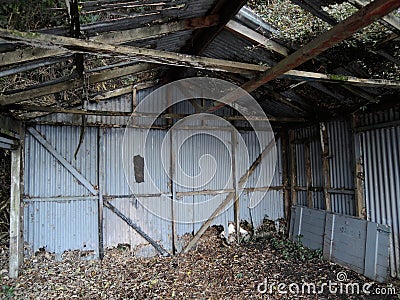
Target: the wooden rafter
pixel 118 37
pixel 226 9
pixel 254 36
pixel 76 111
pixel 57 86
pixel 390 19
pixel 175 59
pixel 340 32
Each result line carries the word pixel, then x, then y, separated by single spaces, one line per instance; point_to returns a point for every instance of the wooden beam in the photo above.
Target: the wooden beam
pixel 293 168
pixel 325 166
pixel 53 109
pixel 16 213
pixel 358 173
pixel 230 197
pixel 226 9
pixel 365 16
pixel 71 83
pixel 340 79
pixel 255 37
pixel 124 36
pixel 308 175
pixel 285 175
pixel 390 19
pixel 149 55
pixel 18 56
pixel 117 37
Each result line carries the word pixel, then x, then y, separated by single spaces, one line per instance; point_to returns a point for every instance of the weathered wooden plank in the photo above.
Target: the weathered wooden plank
pixel 325 166
pixel 70 83
pixel 117 37
pixel 18 56
pixel 254 36
pixel 16 212
pixel 124 36
pixel 53 109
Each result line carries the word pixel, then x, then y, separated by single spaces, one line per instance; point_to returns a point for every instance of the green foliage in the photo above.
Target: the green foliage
pixel 32 14
pixel 293 249
pixel 338 77
pixel 299 26
pixel 7 292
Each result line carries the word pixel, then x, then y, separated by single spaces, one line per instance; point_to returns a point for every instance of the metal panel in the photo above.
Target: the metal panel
pixel 358 244
pixel 341 155
pixel 44 176
pixel 203 156
pixel 59 213
pixel 381 159
pixel 155 181
pixel 341 163
pixel 270 207
pixel 58 226
pixel 379 117
pixel 270 203
pixel 117 231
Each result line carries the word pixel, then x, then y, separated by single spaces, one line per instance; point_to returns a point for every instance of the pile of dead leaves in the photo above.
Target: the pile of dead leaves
pixel 210 271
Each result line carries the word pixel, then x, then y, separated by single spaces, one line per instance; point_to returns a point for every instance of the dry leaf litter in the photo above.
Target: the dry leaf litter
pixel 213 270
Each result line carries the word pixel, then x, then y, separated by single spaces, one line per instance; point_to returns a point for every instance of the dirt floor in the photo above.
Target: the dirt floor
pixel 211 271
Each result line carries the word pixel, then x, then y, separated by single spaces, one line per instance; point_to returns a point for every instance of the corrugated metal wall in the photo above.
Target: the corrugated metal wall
pixel 63 215
pixel 341 165
pixel 380 152
pixel 60 214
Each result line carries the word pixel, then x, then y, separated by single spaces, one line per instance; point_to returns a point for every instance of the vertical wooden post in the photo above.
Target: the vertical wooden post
pixel 174 237
pixel 173 192
pixel 358 173
pixel 236 205
pixel 308 175
pixel 285 174
pixel 16 212
pixel 134 98
pixel 325 166
pixel 293 168
pixel 101 181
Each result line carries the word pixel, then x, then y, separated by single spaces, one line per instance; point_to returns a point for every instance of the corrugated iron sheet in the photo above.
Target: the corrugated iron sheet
pixel 59 226
pixel 381 159
pixel 59 212
pixel 341 163
pixel 45 176
pixel 117 231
